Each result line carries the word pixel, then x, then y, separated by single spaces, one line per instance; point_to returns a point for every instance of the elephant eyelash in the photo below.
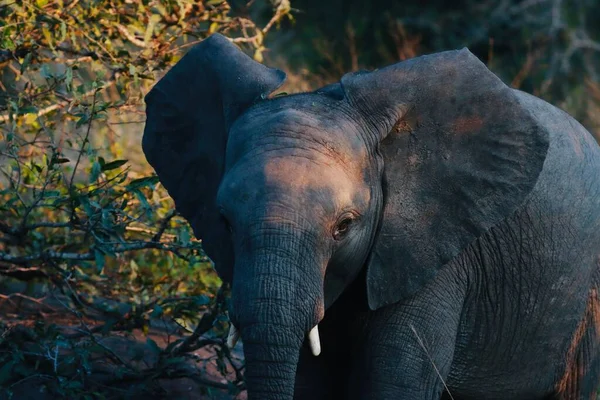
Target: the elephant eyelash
pixel 343 226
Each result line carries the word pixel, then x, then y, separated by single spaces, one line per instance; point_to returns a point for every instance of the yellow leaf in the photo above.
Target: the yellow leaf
pixel 48 37
pixel 213 28
pixel 41 3
pixel 31 120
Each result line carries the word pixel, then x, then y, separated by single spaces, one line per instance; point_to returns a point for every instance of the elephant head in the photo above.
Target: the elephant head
pixel 394 171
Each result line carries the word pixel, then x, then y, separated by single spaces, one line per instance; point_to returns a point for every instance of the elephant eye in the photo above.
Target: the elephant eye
pixel 343 227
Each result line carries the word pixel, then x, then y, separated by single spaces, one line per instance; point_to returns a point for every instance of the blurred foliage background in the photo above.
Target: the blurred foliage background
pixel 550 48
pixel 104 293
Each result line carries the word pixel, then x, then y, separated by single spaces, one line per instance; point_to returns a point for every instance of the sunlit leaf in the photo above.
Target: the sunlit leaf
pixel 48 35
pixel 154 19
pixel 258 54
pixel 31 119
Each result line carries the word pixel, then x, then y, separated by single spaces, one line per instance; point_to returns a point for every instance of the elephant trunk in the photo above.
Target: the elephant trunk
pixel 271 360
pixel 274 299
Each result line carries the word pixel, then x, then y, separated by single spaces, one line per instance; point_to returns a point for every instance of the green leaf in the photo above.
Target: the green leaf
pixel 5 372
pixel 137 353
pixel 85 202
pixel 142 198
pixel 82 120
pixel 69 79
pixel 95 172
pixel 52 193
pixel 74 384
pixel 63 31
pixel 172 345
pixel 113 165
pixel 45 71
pixel 184 236
pixel 153 346
pixel 157 312
pixel 100 260
pixel 28 110
pixel 175 360
pixel 26 62
pixel 201 300
pixel 142 182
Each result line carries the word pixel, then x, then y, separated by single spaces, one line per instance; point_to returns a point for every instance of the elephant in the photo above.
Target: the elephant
pixel 419 231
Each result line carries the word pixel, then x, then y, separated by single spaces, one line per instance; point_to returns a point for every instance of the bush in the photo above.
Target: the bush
pixel 91 247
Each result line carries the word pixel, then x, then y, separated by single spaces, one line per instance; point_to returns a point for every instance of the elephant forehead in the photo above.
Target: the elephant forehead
pixel 315 129
pixel 310 179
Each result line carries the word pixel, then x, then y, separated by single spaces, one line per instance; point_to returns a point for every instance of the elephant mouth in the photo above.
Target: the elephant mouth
pixel 313 338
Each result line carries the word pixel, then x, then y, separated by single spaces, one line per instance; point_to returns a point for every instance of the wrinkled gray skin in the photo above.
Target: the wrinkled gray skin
pixel 423 215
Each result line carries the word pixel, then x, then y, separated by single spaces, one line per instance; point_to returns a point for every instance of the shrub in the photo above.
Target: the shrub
pixel 90 244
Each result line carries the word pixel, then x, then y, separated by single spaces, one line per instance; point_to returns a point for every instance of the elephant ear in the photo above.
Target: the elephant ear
pixel 460 154
pixel 188 115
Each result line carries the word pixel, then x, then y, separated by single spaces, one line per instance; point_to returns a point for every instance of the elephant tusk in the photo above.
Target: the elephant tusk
pixel 233 336
pixel 314 341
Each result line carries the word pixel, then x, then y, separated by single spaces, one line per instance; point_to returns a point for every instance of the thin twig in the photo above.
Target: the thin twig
pixel 88 256
pixel 22 296
pixel 85 139
pixel 205 324
pixel 60 104
pixel 123 30
pixel 431 360
pixel 164 224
